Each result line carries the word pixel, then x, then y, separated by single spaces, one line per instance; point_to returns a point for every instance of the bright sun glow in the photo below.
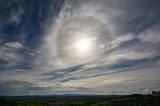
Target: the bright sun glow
pixel 84 45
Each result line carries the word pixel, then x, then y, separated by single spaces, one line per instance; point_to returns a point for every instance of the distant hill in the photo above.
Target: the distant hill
pixel 83 100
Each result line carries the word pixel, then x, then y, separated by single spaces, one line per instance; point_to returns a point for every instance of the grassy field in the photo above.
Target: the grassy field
pixel 75 100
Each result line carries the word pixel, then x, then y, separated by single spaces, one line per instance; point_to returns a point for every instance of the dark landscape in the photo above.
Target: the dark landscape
pixel 83 100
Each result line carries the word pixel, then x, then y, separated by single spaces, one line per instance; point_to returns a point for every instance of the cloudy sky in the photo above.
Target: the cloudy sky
pixel 79 46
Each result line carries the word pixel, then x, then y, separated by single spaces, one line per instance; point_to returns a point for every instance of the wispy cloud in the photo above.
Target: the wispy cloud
pixel 16 14
pixel 125 60
pixel 9 52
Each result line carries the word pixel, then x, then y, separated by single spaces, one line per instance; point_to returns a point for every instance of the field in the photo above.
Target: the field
pixel 82 100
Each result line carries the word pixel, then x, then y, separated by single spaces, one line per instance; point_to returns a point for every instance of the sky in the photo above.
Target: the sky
pixel 98 47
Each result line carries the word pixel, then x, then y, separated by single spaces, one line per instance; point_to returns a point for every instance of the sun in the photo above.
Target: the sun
pixel 84 45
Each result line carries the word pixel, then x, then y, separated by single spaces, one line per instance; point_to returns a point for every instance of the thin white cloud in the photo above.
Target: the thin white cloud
pixel 15 45
pixel 15 15
pixel 125 46
pixel 152 34
pixel 9 53
pixel 130 80
pixel 96 75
